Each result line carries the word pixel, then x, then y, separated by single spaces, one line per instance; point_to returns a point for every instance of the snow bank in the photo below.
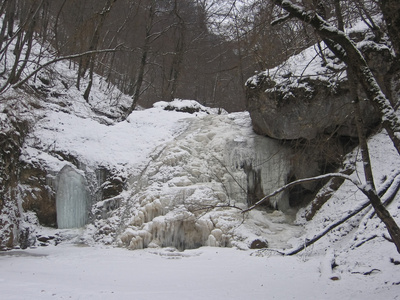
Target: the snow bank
pixel 124 146
pixel 68 271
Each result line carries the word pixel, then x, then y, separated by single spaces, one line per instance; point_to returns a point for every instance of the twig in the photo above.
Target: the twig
pixel 226 169
pixel 300 181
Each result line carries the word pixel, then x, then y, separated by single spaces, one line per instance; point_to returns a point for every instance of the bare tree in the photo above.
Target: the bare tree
pixel 95 43
pixel 358 71
pixel 22 38
pixel 391 14
pixel 150 37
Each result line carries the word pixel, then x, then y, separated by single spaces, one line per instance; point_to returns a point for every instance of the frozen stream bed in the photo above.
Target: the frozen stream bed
pixel 70 272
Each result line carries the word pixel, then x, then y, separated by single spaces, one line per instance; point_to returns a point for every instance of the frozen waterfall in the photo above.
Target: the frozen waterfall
pixel 72 199
pixel 217 162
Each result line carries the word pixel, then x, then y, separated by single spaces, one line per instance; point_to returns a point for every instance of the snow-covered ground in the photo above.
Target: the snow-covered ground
pixel 72 272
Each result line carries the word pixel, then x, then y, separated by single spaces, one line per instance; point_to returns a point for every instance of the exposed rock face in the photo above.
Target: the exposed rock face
pixel 40 186
pixel 12 231
pixel 38 194
pixel 306 108
pixel 306 103
pixel 291 106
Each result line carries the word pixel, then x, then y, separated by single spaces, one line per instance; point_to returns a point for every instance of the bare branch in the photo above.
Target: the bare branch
pixel 309 242
pixel 301 181
pixel 67 57
pixel 334 38
pixel 281 19
pixel 388 196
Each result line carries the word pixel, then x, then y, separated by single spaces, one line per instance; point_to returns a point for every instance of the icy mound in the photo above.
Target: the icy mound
pixel 188 106
pixel 182 198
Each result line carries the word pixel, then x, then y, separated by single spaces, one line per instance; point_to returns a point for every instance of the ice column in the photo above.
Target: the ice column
pixel 72 199
pixel 266 167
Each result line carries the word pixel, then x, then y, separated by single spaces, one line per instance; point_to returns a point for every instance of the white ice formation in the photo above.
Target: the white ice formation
pixel 217 161
pixel 72 199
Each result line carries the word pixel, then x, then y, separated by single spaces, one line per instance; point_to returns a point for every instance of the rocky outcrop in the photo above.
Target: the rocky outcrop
pixel 40 184
pixel 12 133
pixel 303 108
pixel 38 194
pixel 306 103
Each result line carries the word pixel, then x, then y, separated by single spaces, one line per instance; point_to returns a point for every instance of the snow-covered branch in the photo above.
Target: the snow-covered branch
pixel 281 19
pixel 57 59
pixel 389 190
pixel 318 236
pixel 354 60
pixel 301 181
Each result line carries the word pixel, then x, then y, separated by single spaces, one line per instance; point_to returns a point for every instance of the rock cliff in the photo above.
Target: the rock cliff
pixel 306 102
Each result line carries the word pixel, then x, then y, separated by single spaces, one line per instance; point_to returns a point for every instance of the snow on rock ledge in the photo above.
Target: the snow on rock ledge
pixel 308 96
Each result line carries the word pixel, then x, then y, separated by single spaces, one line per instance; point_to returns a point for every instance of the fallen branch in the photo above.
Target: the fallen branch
pixel 386 198
pixel 309 242
pixel 365 189
pixel 392 185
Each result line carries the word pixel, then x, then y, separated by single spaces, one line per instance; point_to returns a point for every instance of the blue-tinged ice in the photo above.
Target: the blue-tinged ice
pixel 72 199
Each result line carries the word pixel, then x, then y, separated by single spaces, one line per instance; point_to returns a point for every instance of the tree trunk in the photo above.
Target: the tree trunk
pixel 385 216
pixel 89 63
pixel 89 86
pixel 339 16
pixel 391 14
pixel 358 70
pixel 345 49
pixel 362 140
pixel 143 62
pixel 371 192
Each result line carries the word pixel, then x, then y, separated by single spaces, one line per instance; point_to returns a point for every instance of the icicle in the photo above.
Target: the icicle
pixel 72 199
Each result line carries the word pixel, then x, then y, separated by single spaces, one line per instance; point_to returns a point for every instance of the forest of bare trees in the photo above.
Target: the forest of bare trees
pixel 193 49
